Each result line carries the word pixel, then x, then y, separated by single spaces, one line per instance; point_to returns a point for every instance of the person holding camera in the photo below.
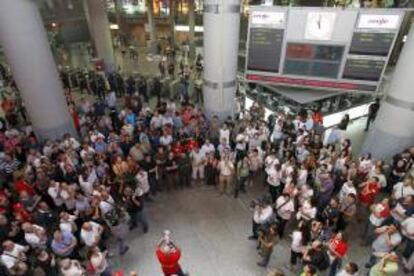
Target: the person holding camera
pixel 169 254
pixel 263 214
pixel 388 237
pixel 267 240
pixel 387 265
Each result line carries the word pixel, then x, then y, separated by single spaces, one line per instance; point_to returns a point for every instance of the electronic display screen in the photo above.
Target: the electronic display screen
pixel 265 47
pixel 363 69
pixel 342 49
pixel 376 44
pixel 313 60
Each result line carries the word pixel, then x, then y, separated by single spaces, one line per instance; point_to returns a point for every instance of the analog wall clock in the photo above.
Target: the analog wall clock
pixel 320 25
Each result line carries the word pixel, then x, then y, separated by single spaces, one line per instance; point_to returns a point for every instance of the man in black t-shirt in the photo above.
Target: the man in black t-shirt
pixel 134 204
pixel 372 113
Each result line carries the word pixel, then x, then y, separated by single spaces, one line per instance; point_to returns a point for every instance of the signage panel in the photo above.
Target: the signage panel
pixel 265 48
pixel 379 21
pixel 321 47
pixel 274 20
pixel 376 44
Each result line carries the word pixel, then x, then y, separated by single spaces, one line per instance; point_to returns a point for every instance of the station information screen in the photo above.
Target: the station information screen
pixel 313 60
pixel 368 43
pixel 265 47
pixel 363 69
pixel 342 49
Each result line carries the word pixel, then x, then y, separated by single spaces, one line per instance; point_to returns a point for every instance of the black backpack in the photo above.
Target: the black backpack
pixel 325 263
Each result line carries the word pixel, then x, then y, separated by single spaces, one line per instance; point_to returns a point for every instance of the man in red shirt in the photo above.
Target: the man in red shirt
pixel 370 190
pixel 21 185
pixel 168 255
pixel 338 248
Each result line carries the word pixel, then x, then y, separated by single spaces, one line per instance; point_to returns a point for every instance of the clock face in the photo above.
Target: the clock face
pixel 320 25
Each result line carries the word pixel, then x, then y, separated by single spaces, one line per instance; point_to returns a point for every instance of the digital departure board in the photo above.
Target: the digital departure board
pixel 363 69
pixel 342 49
pixel 265 48
pixel 376 44
pixel 313 60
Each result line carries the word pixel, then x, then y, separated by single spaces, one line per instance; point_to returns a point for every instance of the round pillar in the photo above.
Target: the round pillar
pixel 151 27
pixel 99 28
pixel 221 45
pixel 393 129
pixel 28 53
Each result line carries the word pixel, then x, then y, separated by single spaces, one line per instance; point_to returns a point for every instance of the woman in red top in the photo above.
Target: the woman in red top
pixel 370 190
pixel 337 249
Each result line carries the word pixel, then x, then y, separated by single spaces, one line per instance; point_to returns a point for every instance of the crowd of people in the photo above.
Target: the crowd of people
pixel 62 202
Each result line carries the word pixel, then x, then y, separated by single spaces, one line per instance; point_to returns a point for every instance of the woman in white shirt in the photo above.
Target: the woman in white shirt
pixel 306 212
pixel 224 134
pixel 299 241
pixel 377 172
pixel 403 189
pixel 277 133
pixel 284 209
pixel 347 188
pixel 85 185
pixel 67 193
pixel 305 193
pixel 365 165
pixel 35 235
pixel 302 176
pixel 70 267
pixel 67 222
pixel 54 192
pixel 274 176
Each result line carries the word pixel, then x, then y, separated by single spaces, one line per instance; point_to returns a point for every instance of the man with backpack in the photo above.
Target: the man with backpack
pixel 317 256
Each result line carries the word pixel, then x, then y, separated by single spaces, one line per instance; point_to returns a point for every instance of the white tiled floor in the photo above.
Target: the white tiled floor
pixel 212 231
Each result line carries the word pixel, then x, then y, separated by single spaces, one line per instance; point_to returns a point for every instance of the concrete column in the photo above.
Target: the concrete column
pixel 173 7
pixel 191 24
pixel 393 130
pixel 99 28
pixel 24 41
pixel 221 44
pixel 151 26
